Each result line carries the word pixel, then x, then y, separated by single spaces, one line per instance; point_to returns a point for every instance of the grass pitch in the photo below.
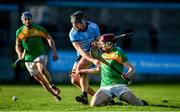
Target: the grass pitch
pixel 161 97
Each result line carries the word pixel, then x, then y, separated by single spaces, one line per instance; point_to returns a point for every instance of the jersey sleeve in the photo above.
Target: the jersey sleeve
pixel 97 31
pixel 18 31
pixel 42 32
pixel 41 28
pixel 73 37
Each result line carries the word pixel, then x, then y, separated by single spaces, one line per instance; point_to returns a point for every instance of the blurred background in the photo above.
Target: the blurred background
pixel 154 49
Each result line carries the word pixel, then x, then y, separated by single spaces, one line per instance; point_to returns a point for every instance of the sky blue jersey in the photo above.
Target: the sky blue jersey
pixel 85 37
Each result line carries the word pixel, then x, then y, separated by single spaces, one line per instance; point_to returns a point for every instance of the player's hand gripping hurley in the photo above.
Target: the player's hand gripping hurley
pixel 96 54
pixel 19 60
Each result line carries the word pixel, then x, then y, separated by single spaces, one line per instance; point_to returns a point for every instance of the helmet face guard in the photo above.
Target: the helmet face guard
pixel 105 46
pixel 108 38
pixel 106 42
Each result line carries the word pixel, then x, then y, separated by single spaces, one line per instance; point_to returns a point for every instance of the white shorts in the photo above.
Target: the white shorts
pixel 31 66
pixel 115 90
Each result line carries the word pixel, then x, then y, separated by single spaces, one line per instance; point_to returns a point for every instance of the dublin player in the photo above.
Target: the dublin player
pixel 82 35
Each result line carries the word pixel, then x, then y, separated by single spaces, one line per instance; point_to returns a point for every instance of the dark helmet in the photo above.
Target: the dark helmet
pixel 109 37
pixel 77 17
pixel 26 15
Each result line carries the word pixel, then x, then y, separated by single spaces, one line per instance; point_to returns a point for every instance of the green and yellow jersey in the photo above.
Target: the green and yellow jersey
pixel 32 40
pixel 108 76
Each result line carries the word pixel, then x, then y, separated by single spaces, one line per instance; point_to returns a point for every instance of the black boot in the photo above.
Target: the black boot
pixel 82 98
pixel 145 103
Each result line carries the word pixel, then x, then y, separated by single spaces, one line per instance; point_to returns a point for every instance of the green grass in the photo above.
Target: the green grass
pixel 35 98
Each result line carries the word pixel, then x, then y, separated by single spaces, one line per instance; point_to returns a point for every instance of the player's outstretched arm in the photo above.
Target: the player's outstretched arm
pixel 53 47
pixel 84 54
pixel 90 71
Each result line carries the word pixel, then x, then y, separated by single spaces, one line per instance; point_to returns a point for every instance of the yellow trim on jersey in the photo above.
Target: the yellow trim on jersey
pixel 112 56
pixel 34 32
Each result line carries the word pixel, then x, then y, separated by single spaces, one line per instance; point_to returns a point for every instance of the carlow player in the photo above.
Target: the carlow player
pixel 82 35
pixel 113 84
pixel 30 38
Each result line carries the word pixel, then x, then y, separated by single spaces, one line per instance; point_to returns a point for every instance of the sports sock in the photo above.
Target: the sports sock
pixel 85 94
pixel 51 84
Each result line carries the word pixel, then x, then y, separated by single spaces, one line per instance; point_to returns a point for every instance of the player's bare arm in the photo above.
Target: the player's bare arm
pixel 90 71
pixel 52 45
pixel 18 49
pixel 84 54
pixel 130 71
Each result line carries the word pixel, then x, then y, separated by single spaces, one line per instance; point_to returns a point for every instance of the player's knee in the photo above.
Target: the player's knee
pixel 75 82
pixel 94 104
pixel 72 81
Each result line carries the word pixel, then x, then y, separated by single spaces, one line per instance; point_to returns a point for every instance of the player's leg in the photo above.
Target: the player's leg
pixel 100 98
pixel 130 98
pixel 90 91
pixel 48 76
pixel 31 67
pixel 45 81
pixel 122 92
pixel 84 82
pixel 45 84
pixel 83 63
pixel 43 60
pixel 75 79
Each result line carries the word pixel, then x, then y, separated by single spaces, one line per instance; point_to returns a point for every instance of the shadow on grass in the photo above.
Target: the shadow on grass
pixel 168 106
pixel 153 105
